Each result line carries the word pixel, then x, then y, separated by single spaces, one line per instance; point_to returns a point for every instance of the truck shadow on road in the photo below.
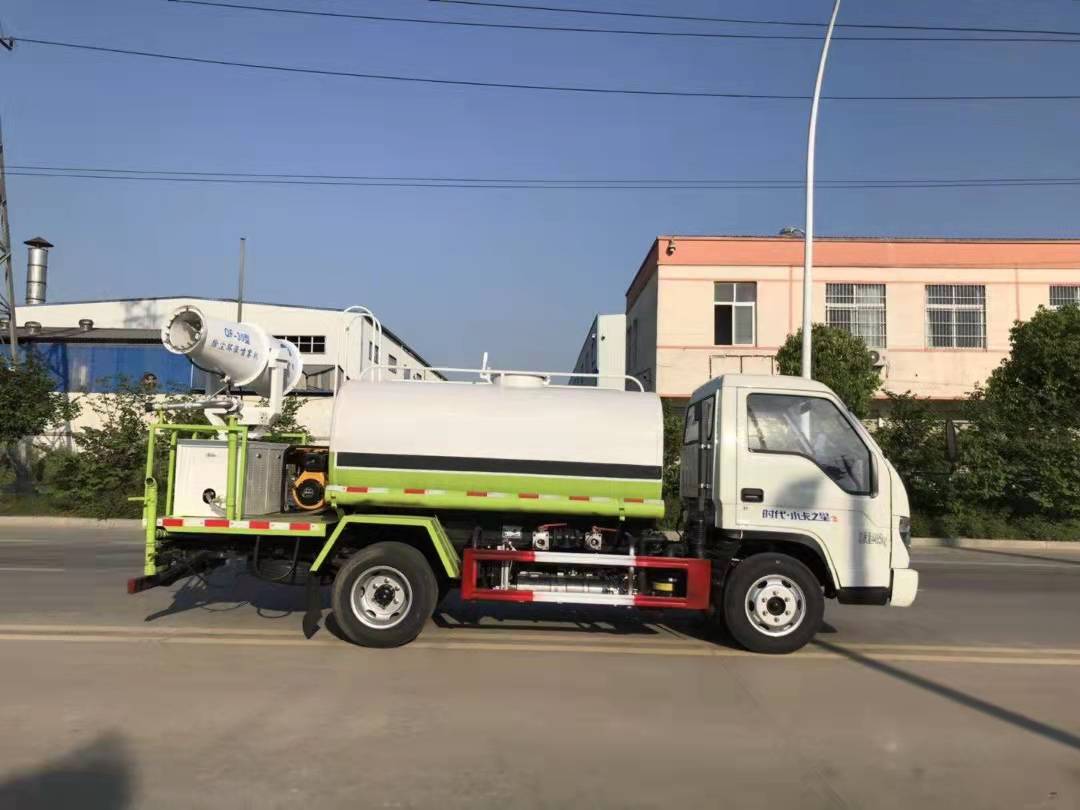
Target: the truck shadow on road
pixel 993 710
pixel 457 616
pixel 475 618
pixel 231 588
pixel 97 776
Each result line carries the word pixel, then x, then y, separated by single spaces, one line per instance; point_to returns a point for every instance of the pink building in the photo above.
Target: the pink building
pixel 936 311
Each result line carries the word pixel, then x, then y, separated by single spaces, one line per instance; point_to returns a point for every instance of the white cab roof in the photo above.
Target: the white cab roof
pixel 779 382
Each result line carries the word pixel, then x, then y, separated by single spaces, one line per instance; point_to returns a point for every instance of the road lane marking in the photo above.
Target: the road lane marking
pixel 507 638
pixel 984 564
pixel 668 650
pixel 26 569
pixel 459 632
pixel 146 631
pixel 962 648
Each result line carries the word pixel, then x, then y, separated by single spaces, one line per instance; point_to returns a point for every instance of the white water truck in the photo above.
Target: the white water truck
pixel 515 489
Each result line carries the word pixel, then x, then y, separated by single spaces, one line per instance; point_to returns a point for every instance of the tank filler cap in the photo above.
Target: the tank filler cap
pixel 519 380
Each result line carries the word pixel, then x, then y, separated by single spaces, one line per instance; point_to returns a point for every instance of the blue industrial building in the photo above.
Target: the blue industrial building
pixel 88 360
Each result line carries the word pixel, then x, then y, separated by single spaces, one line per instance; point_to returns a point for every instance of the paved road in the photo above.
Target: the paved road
pixel 207 696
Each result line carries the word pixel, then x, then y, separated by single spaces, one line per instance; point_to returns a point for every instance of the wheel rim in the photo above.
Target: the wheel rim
pixel 775 605
pixel 381 597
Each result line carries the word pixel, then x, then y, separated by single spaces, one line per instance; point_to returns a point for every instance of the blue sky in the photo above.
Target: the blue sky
pixel 518 273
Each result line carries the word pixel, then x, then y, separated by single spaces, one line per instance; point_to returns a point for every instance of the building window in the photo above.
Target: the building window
pixel 392 362
pixel 1064 294
pixel 307 344
pixel 734 306
pixel 955 316
pixel 408 373
pixel 418 375
pixel 373 353
pixel 858 309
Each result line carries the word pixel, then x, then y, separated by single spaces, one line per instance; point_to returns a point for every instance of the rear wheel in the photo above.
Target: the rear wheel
pixel 384 594
pixel 773 603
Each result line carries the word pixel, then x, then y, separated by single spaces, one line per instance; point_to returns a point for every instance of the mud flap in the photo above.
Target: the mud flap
pixel 312 605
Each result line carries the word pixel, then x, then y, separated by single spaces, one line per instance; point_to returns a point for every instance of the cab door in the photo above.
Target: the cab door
pixel 696 457
pixel 804 469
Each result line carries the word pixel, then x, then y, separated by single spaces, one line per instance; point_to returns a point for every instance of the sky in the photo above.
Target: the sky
pixel 517 273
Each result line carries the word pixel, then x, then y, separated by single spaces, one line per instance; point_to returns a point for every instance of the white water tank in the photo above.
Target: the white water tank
pixel 513 426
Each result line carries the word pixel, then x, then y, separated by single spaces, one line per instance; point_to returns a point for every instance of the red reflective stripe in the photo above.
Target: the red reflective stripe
pixel 528 495
pixel 356 489
pixel 579 497
pixel 300 527
pixel 216 524
pixel 259 524
pixel 172 522
pixel 634 500
pixel 476 494
pixel 415 491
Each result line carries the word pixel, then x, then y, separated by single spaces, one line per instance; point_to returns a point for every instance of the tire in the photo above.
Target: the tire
pixel 772 603
pixel 384 595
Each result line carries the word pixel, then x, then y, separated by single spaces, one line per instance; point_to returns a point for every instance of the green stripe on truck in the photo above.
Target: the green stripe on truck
pixel 627 497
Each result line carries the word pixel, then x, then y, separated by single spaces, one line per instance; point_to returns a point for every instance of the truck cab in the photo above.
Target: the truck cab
pixel 777 465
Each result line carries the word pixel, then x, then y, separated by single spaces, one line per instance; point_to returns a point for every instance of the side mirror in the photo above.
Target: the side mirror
pixel 952 446
pixel 875 476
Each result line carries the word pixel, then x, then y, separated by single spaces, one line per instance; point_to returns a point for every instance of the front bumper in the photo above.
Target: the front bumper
pixel 905 584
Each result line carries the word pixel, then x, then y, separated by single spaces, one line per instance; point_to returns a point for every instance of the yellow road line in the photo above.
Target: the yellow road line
pixel 703 651
pixel 965 649
pixel 128 630
pixel 30 569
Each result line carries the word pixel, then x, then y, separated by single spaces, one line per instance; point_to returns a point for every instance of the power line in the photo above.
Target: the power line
pixel 551 184
pixel 750 21
pixel 523 86
pixel 615 31
pixel 578 180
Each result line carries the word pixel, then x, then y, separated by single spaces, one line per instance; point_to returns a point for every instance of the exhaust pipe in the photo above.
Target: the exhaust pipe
pixel 37 269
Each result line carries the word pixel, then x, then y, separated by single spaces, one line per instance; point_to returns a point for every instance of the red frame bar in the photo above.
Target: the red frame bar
pixel 698 579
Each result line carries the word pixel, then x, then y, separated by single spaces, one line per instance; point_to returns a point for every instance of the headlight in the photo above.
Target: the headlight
pixel 905 531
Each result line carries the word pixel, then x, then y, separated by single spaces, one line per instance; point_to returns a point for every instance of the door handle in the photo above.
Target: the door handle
pixel 752 495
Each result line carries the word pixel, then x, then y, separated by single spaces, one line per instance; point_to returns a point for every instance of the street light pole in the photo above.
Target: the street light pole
pixel 240 282
pixel 808 250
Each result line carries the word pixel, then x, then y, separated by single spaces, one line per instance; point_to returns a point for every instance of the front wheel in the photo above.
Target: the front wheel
pixel 773 603
pixel 384 594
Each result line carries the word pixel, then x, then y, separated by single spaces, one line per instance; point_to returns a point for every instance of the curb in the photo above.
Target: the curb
pixel 48 521
pixel 969 542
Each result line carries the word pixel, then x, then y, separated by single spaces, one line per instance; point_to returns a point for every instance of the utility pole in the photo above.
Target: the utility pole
pixel 240 285
pixel 8 296
pixel 808 250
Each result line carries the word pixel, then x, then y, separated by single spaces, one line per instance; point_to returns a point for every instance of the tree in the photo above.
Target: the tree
pixel 673 442
pixel 1023 446
pixel 111 462
pixel 29 406
pixel 912 437
pixel 840 360
pixel 288 423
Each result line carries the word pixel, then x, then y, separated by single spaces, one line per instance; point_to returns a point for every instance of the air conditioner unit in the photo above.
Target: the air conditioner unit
pixel 877 358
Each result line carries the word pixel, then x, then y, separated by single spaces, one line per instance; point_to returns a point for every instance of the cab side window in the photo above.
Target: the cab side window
pixel 692 431
pixel 814 428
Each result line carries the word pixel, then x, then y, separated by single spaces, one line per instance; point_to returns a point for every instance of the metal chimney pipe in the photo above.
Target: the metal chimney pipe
pixel 37 269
